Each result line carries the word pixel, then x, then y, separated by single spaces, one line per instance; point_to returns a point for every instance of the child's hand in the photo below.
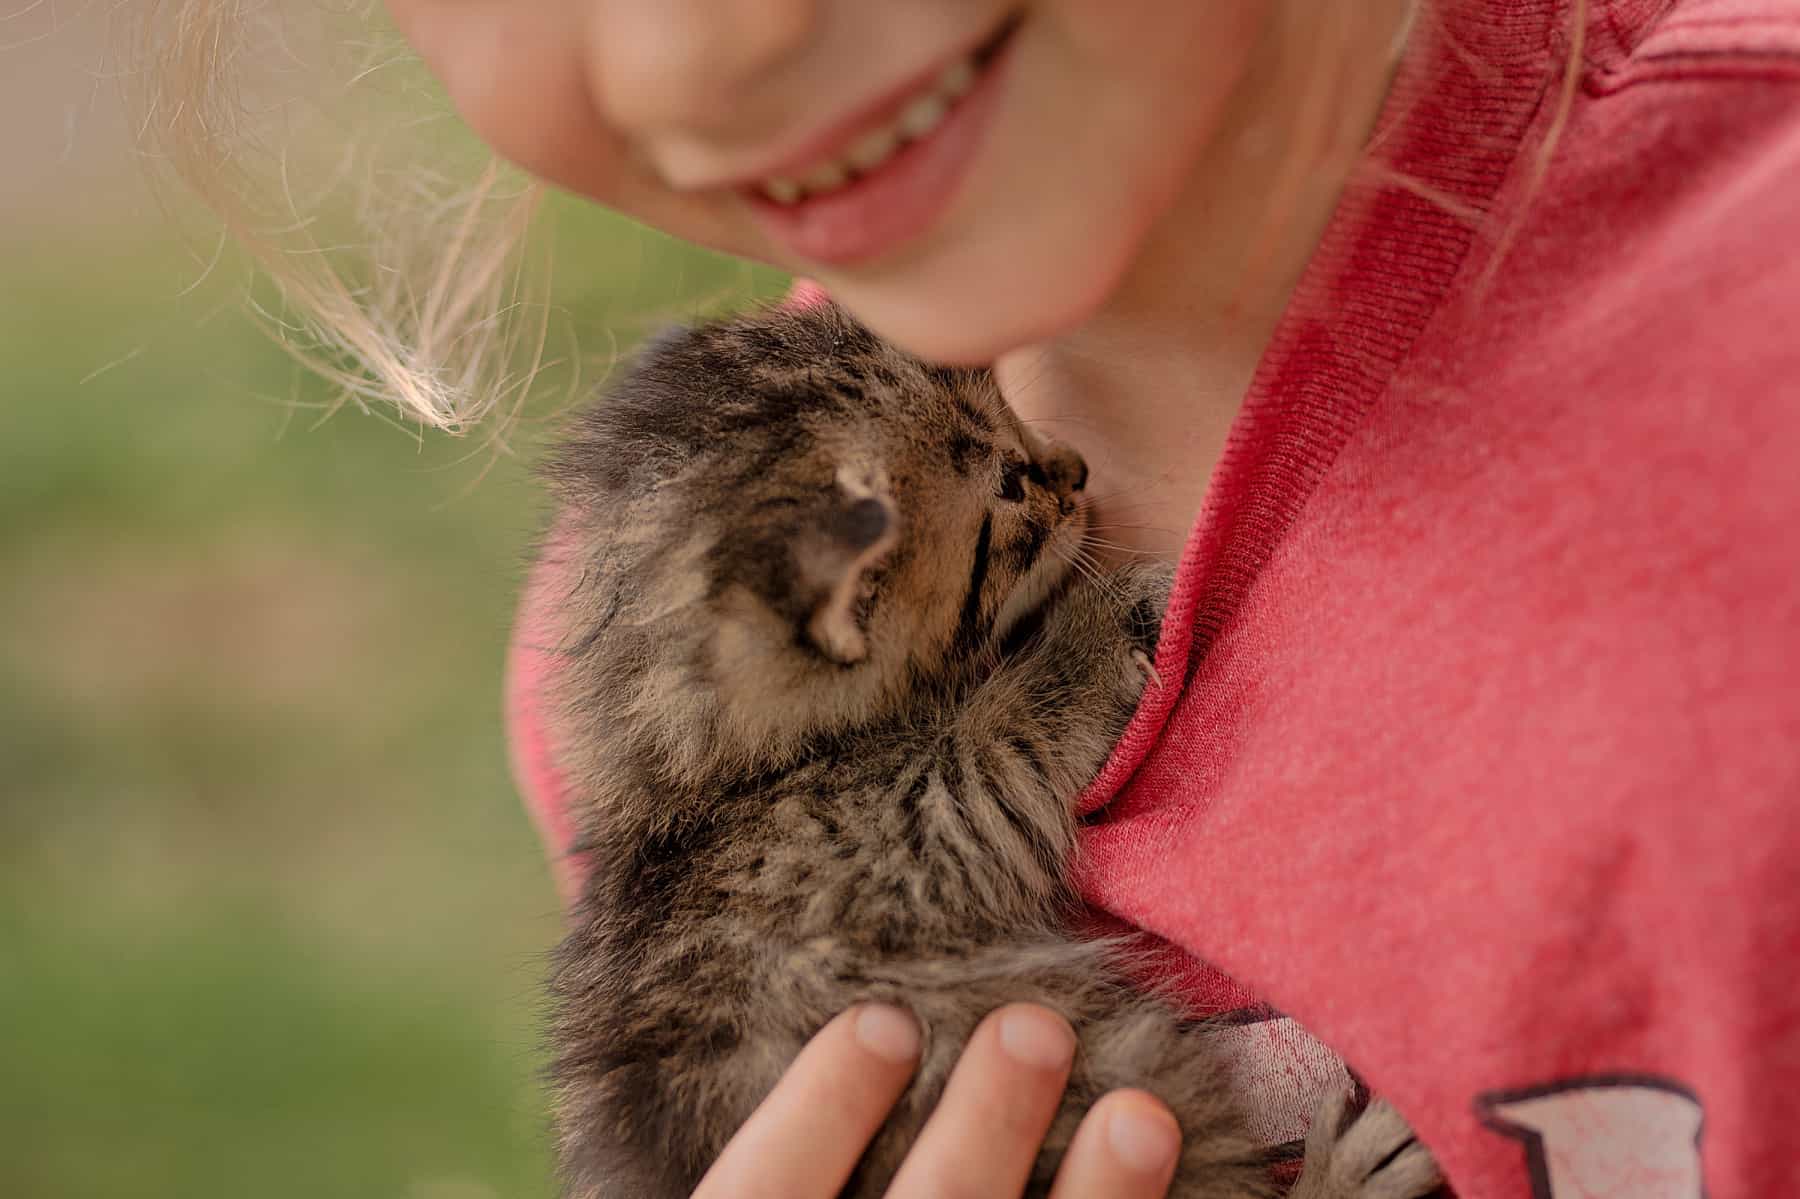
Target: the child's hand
pixel 805 1139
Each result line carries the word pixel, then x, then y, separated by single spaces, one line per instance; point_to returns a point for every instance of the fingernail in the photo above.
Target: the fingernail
pixel 1143 1139
pixel 888 1033
pixel 1036 1038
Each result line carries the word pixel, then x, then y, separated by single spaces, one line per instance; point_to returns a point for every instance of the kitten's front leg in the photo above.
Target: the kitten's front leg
pixel 1066 695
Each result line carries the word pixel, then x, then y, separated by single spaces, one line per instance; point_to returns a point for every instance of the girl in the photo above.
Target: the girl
pixel 1459 336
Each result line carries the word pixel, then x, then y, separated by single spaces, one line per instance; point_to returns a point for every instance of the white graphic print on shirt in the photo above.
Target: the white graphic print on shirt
pixel 1604 1137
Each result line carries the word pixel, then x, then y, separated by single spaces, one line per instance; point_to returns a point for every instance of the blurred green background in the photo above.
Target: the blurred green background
pixel 272 921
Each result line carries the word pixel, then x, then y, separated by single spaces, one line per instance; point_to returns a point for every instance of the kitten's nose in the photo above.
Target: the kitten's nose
pixel 1066 470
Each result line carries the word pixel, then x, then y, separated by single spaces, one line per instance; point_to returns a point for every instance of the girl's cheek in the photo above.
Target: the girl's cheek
pixel 516 75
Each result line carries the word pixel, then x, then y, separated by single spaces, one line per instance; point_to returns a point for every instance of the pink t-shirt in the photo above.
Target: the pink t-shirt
pixel 1485 771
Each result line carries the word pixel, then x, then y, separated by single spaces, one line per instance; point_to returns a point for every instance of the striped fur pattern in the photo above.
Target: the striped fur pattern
pixel 832 689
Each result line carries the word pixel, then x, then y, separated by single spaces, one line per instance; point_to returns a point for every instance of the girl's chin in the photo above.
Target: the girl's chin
pixel 972 318
pixel 940 331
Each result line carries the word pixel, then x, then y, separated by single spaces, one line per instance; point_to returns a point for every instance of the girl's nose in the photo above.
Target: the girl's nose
pixel 684 65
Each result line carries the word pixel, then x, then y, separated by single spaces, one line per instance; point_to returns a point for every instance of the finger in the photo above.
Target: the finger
pixel 805 1138
pixel 985 1132
pixel 1126 1148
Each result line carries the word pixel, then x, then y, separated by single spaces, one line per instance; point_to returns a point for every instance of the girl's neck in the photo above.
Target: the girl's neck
pixel 1149 385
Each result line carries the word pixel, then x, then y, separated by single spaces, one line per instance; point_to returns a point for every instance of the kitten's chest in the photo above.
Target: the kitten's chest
pixel 902 853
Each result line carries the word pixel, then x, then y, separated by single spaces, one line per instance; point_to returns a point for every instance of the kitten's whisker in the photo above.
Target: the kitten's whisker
pixel 1118 493
pixel 1090 569
pixel 1023 383
pixel 1120 547
pixel 1111 525
pixel 1048 419
pixel 1077 562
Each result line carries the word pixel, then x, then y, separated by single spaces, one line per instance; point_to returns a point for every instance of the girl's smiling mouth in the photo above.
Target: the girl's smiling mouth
pixel 883 176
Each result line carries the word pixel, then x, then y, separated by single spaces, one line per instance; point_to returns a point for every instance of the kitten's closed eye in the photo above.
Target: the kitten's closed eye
pixel 1012 483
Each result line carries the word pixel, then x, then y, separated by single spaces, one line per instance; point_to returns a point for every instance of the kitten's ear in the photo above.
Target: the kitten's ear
pixel 854 530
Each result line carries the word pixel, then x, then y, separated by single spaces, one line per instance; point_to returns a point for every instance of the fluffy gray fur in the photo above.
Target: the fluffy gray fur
pixel 832 687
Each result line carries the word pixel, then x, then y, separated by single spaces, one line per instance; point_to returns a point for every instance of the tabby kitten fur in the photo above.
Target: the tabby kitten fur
pixel 831 688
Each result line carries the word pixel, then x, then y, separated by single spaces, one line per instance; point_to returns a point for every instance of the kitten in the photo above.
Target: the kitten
pixel 832 688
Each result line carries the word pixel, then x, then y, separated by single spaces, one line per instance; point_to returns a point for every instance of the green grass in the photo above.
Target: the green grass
pixel 225 1051
pixel 271 919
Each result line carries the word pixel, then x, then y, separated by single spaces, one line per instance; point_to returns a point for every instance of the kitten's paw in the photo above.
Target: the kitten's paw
pixel 1146 595
pixel 1375 1156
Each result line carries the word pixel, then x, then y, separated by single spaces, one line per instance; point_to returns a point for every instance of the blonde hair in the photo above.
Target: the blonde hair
pixel 441 313
pixel 434 312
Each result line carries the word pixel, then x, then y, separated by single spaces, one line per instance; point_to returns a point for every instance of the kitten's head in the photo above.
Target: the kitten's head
pixel 785 527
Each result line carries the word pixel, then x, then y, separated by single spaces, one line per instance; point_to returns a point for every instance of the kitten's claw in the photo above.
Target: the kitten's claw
pixel 1375 1157
pixel 1147 667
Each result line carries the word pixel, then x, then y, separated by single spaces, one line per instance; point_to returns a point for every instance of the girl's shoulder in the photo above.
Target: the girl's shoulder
pixel 1669 197
pixel 1636 42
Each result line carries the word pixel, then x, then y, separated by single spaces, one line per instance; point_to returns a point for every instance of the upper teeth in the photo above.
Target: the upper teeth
pixel 923 114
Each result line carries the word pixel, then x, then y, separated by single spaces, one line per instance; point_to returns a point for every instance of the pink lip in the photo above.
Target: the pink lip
pixel 896 201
